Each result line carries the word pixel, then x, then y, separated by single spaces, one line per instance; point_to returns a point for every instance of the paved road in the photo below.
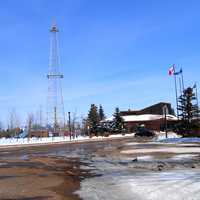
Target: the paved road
pixel 121 169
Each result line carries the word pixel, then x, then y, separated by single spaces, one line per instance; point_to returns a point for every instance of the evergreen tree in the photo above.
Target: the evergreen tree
pixel 93 118
pixel 101 113
pixel 188 107
pixel 189 113
pixel 118 121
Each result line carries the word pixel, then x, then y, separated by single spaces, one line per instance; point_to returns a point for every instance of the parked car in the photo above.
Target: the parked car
pixel 144 132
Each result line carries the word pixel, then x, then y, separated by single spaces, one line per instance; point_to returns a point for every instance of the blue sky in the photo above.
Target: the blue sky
pixel 113 52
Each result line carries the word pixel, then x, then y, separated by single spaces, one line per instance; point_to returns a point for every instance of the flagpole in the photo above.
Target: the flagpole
pixel 182 79
pixel 176 96
pixel 180 86
pixel 172 71
pixel 197 100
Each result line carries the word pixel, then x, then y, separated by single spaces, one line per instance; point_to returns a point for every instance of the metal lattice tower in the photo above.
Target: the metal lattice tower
pixel 55 105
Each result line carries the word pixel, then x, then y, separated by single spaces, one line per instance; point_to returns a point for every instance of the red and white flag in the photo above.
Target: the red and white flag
pixel 171 70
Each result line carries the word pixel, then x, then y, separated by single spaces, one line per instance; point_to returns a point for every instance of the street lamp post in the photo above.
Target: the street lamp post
pixel 69 116
pixel 165 108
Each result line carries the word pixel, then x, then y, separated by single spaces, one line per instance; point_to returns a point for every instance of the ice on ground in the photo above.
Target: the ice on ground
pixel 163 150
pixel 133 143
pixel 176 185
pixel 184 156
pixel 145 158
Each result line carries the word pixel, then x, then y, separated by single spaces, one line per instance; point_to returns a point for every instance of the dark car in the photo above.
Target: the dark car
pixel 144 132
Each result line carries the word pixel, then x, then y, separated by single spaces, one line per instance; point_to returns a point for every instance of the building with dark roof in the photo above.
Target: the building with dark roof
pixel 152 117
pixel 156 109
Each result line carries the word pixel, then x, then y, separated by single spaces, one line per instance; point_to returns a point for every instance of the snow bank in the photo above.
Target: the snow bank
pixel 161 136
pixel 50 140
pixel 180 140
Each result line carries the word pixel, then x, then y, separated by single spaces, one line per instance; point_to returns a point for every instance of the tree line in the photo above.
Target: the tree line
pixel 95 124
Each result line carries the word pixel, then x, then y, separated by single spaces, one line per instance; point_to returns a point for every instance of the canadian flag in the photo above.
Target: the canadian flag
pixel 171 70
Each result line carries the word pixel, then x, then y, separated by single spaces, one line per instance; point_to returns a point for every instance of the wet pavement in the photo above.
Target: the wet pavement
pixel 115 169
pixel 47 172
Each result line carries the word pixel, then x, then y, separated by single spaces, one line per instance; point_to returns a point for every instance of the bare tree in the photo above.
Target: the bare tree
pixel 1 125
pixel 13 123
pixel 13 119
pixel 38 119
pixel 73 121
pixel 84 125
pixel 30 121
pixel 75 125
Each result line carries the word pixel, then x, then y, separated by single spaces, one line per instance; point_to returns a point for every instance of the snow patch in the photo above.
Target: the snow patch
pixel 50 140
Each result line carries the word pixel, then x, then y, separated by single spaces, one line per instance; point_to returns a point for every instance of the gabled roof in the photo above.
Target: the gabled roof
pixel 156 109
